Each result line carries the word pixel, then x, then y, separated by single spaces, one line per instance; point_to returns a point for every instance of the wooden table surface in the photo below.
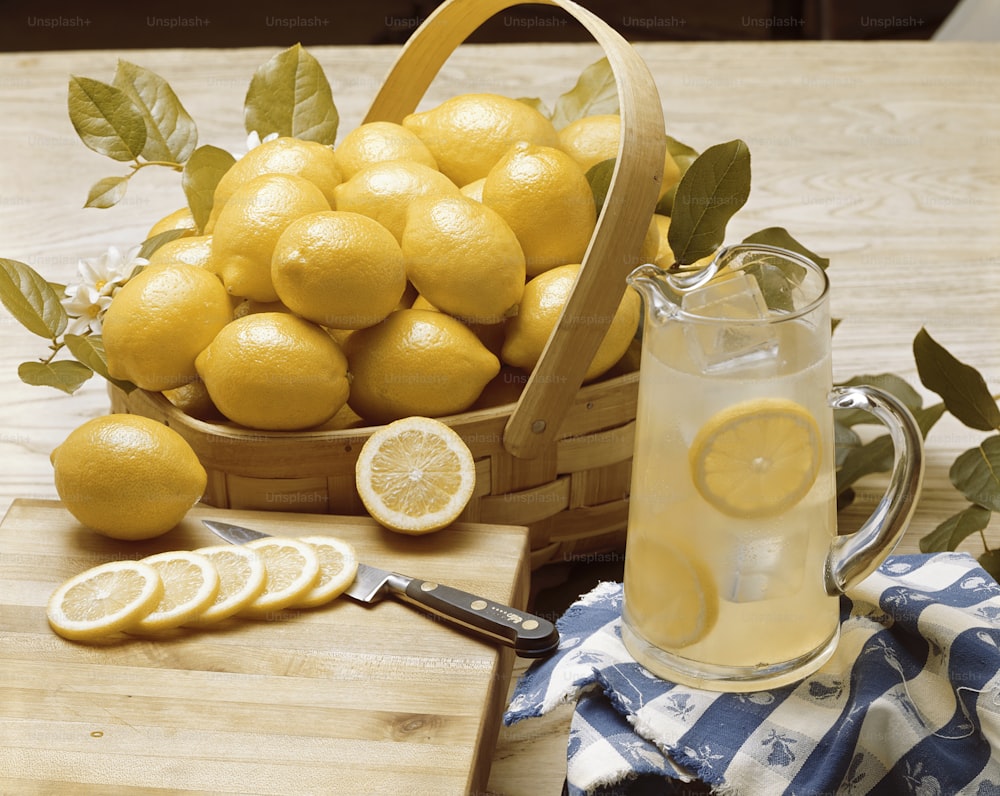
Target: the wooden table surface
pixel 884 157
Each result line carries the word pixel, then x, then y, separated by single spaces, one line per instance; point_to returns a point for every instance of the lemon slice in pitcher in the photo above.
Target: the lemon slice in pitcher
pixel 757 458
pixel 677 607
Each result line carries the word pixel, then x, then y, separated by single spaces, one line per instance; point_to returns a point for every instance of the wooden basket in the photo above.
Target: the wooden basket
pixel 559 460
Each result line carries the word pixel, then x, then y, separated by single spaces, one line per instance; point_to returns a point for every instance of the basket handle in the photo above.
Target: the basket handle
pixel 621 225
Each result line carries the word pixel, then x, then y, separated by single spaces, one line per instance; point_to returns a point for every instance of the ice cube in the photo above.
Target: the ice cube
pixel 718 345
pixel 765 568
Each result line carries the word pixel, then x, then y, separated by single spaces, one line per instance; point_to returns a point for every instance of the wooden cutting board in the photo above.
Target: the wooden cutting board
pixel 342 699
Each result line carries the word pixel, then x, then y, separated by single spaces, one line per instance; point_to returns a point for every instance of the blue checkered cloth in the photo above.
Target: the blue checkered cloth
pixel 909 703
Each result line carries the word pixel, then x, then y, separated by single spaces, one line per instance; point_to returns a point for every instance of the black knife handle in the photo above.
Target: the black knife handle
pixel 529 635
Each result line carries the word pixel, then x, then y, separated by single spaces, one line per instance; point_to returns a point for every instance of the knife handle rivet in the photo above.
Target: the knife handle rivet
pixel 529 624
pixel 478 605
pixel 427 586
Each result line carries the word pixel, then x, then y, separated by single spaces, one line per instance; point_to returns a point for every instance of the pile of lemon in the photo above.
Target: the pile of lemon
pixel 399 273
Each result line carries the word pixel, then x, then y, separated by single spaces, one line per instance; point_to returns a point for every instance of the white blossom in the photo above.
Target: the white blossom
pixel 88 298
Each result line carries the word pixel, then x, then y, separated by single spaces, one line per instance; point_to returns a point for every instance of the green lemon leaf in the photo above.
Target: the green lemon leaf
pixel 89 350
pixel 780 237
pixel 150 245
pixel 106 120
pixel 990 561
pixel 684 156
pixel 289 95
pixel 599 177
pixel 954 530
pixel 171 134
pixel 713 188
pixel 976 473
pixel 64 374
pixel 107 192
pixel 201 174
pixel 32 301
pixel 961 386
pixel 595 93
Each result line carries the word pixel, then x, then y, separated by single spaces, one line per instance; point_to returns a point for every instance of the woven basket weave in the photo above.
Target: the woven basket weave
pixel 559 459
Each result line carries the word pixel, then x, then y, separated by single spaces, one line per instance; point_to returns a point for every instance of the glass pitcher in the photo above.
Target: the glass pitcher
pixel 733 565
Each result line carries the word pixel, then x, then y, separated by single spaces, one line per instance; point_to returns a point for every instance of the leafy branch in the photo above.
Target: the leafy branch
pixel 138 120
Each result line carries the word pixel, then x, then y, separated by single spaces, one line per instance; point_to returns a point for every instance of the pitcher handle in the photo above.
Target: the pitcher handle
pixel 854 557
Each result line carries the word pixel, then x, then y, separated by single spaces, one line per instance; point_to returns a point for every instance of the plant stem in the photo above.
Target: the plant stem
pixel 56 347
pixel 168 163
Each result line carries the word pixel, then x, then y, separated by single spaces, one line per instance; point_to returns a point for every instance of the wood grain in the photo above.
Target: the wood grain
pixel 883 156
pixel 346 698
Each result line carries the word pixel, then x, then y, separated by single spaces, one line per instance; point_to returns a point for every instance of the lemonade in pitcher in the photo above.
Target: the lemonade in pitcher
pixel 732 514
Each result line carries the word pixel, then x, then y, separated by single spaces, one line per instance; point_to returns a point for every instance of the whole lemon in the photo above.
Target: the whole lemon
pixel 383 191
pixel 590 140
pixel 463 258
pixel 181 218
pixel 338 269
pixel 467 134
pixel 127 477
pixel 544 196
pixel 543 301
pixel 159 321
pixel 416 362
pixel 249 227
pixel 192 250
pixel 380 142
pixel 275 371
pixel 285 155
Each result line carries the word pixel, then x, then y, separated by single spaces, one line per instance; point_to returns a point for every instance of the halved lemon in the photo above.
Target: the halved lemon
pixel 292 571
pixel 242 578
pixel 415 475
pixel 757 458
pixel 338 564
pixel 190 583
pixel 675 607
pixel 104 599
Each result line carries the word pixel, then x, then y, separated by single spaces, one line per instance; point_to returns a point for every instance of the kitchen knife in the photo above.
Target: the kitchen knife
pixel 529 635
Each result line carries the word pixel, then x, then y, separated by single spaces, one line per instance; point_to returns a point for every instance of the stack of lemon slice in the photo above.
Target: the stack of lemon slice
pixel 202 587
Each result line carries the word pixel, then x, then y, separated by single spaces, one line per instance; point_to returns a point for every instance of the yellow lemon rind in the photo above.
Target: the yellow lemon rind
pixel 274 599
pixel 122 619
pixel 166 617
pixel 230 601
pixel 331 583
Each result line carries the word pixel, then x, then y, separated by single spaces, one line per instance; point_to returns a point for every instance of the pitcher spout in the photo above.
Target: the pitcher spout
pixel 650 282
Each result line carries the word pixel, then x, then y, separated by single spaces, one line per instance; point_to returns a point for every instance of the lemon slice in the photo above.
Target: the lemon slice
pixel 415 475
pixel 242 578
pixel 338 565
pixel 675 607
pixel 757 458
pixel 292 571
pixel 104 599
pixel 190 583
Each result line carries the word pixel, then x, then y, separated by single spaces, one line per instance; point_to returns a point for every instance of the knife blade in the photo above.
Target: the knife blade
pixel 530 636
